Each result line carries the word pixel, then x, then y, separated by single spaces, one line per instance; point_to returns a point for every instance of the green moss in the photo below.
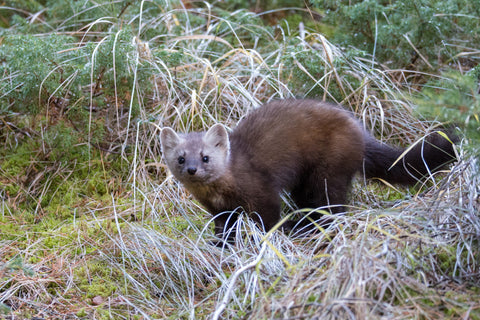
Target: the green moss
pixel 69 172
pixel 97 279
pixel 82 313
pixel 8 228
pixel 96 184
pixel 446 259
pixel 16 161
pixel 99 287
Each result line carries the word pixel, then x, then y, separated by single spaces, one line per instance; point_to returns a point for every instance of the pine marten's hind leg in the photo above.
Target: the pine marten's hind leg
pixel 316 190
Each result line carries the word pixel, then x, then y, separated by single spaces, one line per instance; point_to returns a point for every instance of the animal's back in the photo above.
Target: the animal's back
pixel 289 139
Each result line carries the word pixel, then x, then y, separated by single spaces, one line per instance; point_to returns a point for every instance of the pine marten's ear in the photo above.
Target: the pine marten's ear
pixel 168 139
pixel 217 136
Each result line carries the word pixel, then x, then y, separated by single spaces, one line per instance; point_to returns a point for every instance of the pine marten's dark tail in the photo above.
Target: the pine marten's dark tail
pixel 427 156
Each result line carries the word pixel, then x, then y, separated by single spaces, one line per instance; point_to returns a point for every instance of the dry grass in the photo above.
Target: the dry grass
pixel 418 259
pixel 146 255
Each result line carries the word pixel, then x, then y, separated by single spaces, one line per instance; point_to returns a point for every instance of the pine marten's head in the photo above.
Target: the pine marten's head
pixel 197 157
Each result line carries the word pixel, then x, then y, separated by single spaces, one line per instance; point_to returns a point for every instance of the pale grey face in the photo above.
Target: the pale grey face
pixel 196 157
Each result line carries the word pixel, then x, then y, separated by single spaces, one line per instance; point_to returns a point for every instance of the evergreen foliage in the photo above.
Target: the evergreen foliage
pixel 455 98
pixel 406 34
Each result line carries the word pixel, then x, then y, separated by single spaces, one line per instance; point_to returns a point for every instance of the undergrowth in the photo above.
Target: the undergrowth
pixel 92 225
pixel 418 35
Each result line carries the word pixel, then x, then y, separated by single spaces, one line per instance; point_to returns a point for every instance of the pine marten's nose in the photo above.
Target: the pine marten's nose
pixel 192 170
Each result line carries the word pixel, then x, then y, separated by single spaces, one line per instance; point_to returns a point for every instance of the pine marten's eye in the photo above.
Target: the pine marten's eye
pixel 205 159
pixel 181 160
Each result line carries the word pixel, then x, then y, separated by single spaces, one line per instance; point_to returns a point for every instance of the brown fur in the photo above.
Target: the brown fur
pixel 311 149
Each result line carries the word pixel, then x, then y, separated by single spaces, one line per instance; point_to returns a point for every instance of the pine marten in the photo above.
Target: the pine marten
pixel 309 148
